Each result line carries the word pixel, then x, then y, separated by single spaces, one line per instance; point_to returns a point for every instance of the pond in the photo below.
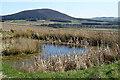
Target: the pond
pixel 55 49
pixel 63 49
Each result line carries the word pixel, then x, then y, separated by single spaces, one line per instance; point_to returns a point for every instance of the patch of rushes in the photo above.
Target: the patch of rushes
pixel 20 46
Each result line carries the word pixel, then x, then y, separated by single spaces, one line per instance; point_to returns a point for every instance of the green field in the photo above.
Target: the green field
pixel 106 71
pixel 18 21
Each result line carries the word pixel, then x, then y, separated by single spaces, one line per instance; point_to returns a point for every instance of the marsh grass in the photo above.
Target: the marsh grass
pixel 92 38
pixel 66 62
pixel 107 52
pixel 20 46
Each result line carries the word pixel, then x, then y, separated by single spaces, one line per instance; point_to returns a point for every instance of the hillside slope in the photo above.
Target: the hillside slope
pixel 40 14
pixel 43 14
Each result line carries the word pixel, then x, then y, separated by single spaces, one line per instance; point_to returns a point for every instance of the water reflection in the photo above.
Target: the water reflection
pixel 63 49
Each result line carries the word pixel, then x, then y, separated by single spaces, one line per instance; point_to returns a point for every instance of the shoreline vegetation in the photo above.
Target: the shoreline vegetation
pixel 107 52
pixel 84 37
pixel 20 46
pixel 106 71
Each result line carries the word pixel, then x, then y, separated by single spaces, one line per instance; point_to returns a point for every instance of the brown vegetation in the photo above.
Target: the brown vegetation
pixel 107 52
pixel 65 62
pixel 77 37
pixel 19 46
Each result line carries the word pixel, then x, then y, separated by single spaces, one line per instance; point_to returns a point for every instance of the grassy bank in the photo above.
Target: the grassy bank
pixel 106 71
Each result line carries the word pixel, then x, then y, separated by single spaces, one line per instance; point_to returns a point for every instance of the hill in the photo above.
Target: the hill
pixel 42 14
pixel 39 14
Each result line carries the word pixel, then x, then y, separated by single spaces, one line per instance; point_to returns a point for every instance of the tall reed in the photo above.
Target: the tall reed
pixel 75 61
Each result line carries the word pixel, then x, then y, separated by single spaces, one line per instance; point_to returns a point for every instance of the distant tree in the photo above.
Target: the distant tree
pixel 32 19
pixel 66 21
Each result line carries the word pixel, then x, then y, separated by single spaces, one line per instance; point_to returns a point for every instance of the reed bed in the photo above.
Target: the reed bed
pixel 65 62
pixel 20 46
pixel 93 38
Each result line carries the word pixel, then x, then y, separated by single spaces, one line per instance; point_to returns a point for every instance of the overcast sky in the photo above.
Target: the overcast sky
pixel 78 9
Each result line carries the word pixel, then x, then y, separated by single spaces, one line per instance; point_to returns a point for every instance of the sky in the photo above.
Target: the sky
pixel 75 9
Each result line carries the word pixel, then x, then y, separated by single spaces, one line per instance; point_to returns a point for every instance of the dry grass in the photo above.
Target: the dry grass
pixel 94 38
pixel 65 62
pixel 77 37
pixel 20 45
